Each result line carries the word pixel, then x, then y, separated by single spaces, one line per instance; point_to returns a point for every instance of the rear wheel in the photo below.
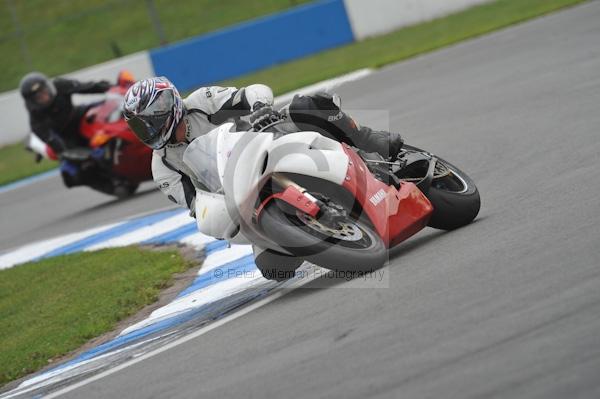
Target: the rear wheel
pixel 453 194
pixel 454 197
pixel 340 242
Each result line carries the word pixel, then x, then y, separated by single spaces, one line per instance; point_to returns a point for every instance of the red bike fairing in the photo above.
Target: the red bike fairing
pixel 395 214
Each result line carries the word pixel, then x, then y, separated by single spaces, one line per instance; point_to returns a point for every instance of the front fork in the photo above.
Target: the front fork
pixel 425 184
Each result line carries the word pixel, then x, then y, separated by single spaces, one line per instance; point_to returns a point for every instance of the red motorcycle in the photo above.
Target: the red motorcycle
pixel 115 161
pixel 298 195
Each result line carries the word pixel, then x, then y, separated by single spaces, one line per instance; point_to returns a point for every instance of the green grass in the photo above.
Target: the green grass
pixel 54 306
pixel 66 35
pixel 401 44
pixel 375 52
pixel 17 163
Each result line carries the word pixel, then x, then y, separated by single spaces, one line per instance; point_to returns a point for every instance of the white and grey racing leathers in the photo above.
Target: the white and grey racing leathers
pixel 206 108
pixel 209 107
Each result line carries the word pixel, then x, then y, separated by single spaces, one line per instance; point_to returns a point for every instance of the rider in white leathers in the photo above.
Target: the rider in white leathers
pixel 205 108
pixel 165 122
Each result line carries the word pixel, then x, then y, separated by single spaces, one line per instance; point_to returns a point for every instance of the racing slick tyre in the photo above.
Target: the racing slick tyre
pixel 126 190
pixel 346 244
pixel 453 194
pixel 455 199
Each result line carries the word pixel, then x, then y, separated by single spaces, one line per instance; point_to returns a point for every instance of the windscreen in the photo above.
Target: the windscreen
pixel 202 157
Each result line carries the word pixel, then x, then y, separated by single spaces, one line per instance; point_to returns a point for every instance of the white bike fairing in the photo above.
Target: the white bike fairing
pixel 235 166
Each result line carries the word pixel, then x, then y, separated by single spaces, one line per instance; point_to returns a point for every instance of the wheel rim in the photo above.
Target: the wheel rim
pixel 445 177
pixel 344 231
pixel 448 180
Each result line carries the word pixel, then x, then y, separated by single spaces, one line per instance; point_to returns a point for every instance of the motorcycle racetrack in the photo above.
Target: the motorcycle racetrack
pixel 508 306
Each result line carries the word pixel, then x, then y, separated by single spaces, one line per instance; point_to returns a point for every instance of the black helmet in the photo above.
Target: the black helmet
pixel 37 90
pixel 153 109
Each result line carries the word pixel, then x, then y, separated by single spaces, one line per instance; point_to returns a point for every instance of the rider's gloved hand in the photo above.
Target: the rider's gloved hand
pixel 104 85
pixel 258 105
pixel 263 117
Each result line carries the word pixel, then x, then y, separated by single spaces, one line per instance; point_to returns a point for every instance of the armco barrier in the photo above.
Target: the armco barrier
pixel 254 45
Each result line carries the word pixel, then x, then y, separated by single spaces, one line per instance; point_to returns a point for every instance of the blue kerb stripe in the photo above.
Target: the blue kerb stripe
pixel 173 235
pixel 233 269
pixel 29 180
pixel 106 235
pixel 214 246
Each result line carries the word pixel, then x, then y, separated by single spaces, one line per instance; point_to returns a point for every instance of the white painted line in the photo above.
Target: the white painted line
pixel 197 240
pixel 325 85
pixel 35 250
pixel 28 252
pixel 220 258
pixel 145 233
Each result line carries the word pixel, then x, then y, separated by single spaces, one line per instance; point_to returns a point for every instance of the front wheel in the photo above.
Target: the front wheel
pixel 342 243
pixel 125 190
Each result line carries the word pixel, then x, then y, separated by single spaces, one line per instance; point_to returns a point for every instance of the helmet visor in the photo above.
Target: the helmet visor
pixel 153 123
pixel 42 96
pixel 39 94
pixel 151 131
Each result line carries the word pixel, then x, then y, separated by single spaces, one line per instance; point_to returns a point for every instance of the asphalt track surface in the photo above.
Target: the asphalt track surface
pixel 506 307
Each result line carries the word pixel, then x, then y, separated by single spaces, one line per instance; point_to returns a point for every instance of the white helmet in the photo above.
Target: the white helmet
pixel 153 109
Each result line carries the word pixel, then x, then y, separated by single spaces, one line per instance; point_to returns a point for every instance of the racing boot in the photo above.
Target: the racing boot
pixel 274 265
pixel 387 144
pixel 321 112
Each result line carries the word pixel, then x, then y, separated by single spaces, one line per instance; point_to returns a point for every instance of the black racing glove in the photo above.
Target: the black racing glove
pixel 56 142
pixel 258 105
pixel 104 85
pixel 263 117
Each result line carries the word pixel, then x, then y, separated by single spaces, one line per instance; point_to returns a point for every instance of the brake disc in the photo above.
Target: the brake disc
pixel 343 231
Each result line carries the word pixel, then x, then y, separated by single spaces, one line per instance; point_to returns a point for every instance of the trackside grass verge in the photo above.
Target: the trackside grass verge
pixel 17 163
pixel 376 52
pixel 54 306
